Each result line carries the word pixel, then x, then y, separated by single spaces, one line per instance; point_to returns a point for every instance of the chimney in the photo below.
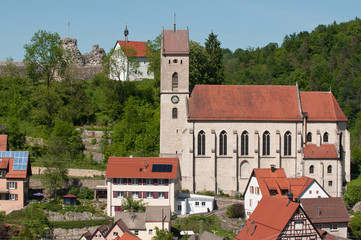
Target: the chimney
pixel 110 223
pixel 273 168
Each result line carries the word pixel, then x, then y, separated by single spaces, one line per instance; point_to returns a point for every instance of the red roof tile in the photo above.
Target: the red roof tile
pixel 3 142
pixel 321 106
pixel 325 151
pixel 139 47
pixel 244 103
pixel 268 219
pixel 128 236
pixel 139 167
pixel 4 163
pixel 175 42
pixel 325 210
pixel 18 173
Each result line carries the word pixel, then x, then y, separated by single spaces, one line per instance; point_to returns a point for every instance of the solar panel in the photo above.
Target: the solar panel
pixel 20 159
pixel 162 168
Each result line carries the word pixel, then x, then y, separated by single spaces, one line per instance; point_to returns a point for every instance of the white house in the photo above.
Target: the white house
pixel 155 180
pixel 274 183
pixel 193 203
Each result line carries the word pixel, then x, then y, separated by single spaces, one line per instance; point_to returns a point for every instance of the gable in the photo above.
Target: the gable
pixel 141 48
pixel 314 190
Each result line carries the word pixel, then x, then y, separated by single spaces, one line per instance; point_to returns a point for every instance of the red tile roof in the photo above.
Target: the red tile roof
pixel 18 173
pixel 70 196
pixel 268 219
pixel 244 103
pixel 127 236
pixel 139 47
pixel 3 142
pixel 321 106
pixel 139 167
pixel 325 151
pixel 325 210
pixel 175 42
pixel 4 162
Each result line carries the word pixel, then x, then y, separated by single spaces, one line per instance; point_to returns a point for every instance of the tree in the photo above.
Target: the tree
pixel 355 224
pixel 10 69
pixel 44 57
pixel 123 63
pixel 215 66
pixel 153 56
pixel 162 234
pixel 198 63
pixel 128 203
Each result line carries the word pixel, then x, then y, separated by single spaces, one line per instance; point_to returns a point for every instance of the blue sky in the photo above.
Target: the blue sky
pixel 238 23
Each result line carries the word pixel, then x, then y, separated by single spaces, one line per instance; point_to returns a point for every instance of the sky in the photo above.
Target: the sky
pixel 238 23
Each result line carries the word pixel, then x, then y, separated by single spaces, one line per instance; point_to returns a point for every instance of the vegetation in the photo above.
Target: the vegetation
pixel 236 210
pixel 162 234
pixel 129 204
pixel 78 224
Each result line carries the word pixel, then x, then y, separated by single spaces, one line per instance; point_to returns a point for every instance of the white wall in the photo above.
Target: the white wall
pixel 251 199
pixel 314 190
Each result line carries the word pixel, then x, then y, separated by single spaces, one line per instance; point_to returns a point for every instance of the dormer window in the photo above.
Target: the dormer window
pixel 272 192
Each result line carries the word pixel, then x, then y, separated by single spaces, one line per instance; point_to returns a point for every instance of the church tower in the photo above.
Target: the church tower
pixel 174 90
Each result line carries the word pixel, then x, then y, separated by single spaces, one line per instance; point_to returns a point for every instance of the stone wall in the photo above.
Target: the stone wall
pixel 75 233
pixel 90 183
pixel 72 172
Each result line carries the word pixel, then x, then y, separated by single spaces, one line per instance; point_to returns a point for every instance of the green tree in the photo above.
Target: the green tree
pixel 128 203
pixel 44 57
pixel 355 224
pixel 198 63
pixel 153 56
pixel 162 234
pixel 35 222
pixel 215 66
pixel 10 69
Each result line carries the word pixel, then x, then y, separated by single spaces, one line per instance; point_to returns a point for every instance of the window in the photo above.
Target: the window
pixel 284 192
pixel 115 234
pixel 136 232
pixel 329 183
pixel 333 226
pixel 149 194
pixel 13 197
pixel 244 143
pixel 316 191
pixel 329 169
pixel 325 137
pixel 203 204
pixel 201 143
pixel 150 232
pixel 175 60
pixel 310 192
pixel 1 174
pixel 287 147
pixel 197 204
pixel 12 185
pixel 149 181
pixel 223 143
pixel 179 207
pixel 312 169
pixel 135 181
pixel 174 113
pixel 257 190
pixel 161 195
pixel 119 194
pixel 309 137
pixel 251 189
pixel 174 81
pixel 266 143
pixel 273 192
pixel 134 194
pixel 298 225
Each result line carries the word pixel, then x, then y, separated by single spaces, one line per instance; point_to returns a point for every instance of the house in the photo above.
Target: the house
pixel 206 236
pixel 187 203
pixel 328 214
pixel 274 183
pixel 143 224
pixel 220 133
pixel 70 199
pixel 127 236
pixel 100 233
pixel 122 68
pixel 155 180
pixel 275 218
pixel 15 171
pixel 86 236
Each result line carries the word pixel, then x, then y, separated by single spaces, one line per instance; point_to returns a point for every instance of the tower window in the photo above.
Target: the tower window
pixel 325 137
pixel 266 143
pixel 181 61
pixel 223 143
pixel 329 169
pixel 174 113
pixel 201 143
pixel 175 60
pixel 309 137
pixel 169 61
pixel 175 81
pixel 287 141
pixel 312 169
pixel 244 143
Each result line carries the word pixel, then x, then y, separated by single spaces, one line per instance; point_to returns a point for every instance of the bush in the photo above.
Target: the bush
pixel 207 193
pixel 352 195
pixel 355 224
pixel 236 210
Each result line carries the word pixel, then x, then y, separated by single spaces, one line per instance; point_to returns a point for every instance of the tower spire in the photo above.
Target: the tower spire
pixel 174 23
pixel 126 33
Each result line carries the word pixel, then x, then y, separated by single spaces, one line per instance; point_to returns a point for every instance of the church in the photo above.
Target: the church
pixel 220 133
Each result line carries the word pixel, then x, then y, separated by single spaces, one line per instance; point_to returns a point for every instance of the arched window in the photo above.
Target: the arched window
pixel 174 113
pixel 244 143
pixel 309 137
pixel 329 169
pixel 287 146
pixel 266 143
pixel 312 169
pixel 223 143
pixel 174 81
pixel 325 137
pixel 201 143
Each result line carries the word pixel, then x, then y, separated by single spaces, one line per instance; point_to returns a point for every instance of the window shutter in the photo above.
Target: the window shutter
pixel 115 194
pixel 166 182
pixel 129 181
pixel 166 195
pixel 155 194
pixel 144 181
pixel 144 194
pixel 16 185
pixel 140 181
pixel 114 181
pixel 139 194
pixel 7 185
pixel 16 197
pixel 155 182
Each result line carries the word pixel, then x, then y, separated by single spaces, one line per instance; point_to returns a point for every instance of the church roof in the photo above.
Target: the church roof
pixel 261 103
pixel 321 107
pixel 244 103
pixel 325 151
pixel 142 167
pixel 175 42
pixel 139 47
pixel 268 219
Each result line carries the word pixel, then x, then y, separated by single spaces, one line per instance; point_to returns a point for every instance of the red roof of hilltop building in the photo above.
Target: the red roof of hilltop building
pixel 261 103
pixel 139 47
pixel 142 167
pixel 325 151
